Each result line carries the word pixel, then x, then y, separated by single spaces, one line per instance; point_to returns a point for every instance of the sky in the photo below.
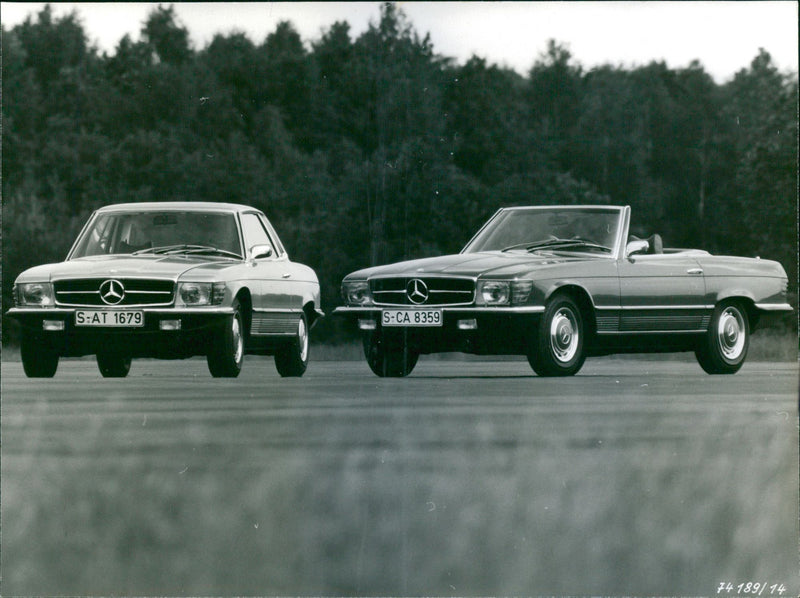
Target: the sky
pixel 724 36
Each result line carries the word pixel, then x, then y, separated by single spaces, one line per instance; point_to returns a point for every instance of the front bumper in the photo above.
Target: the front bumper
pixel 477 330
pixel 166 332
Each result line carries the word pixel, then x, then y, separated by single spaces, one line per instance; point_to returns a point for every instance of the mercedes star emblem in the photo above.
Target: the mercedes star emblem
pixel 417 291
pixel 112 292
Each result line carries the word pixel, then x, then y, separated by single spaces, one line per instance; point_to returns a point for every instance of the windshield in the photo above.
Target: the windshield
pixel 562 229
pixel 160 233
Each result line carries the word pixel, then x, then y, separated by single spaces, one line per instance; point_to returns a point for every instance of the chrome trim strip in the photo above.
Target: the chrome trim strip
pixel 623 332
pixel 652 307
pixel 431 291
pixel 422 305
pixel 419 275
pixel 124 277
pixel 774 307
pixel 44 311
pixel 137 306
pixel 531 309
pixel 272 334
pixel 63 311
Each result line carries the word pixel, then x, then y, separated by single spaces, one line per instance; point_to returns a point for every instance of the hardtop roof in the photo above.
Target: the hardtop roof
pixel 197 206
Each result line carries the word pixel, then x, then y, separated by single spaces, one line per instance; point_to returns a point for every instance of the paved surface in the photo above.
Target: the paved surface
pixel 466 478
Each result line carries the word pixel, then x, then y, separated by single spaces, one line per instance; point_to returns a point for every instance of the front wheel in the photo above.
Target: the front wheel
pixel 227 354
pixel 724 347
pixel 389 356
pixel 292 360
pixel 38 360
pixel 557 348
pixel 113 365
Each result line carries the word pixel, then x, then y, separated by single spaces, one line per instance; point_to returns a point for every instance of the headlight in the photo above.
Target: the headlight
pixel 200 293
pixel 34 294
pixel 494 292
pixel 504 292
pixel 356 293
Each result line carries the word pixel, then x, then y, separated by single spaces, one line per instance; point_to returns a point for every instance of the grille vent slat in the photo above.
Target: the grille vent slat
pixel 138 291
pixel 276 323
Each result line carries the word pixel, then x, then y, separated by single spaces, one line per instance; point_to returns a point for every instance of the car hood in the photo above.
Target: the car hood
pixel 494 264
pixel 122 266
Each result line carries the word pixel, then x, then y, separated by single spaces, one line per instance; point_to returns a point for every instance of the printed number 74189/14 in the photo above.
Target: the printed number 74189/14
pixel 751 588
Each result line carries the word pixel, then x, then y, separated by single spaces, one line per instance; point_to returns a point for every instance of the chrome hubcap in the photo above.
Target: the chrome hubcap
pixel 302 337
pixel 564 335
pixel 731 333
pixel 238 343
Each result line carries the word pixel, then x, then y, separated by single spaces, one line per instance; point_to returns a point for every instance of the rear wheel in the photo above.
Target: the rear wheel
pixel 227 353
pixel 557 348
pixel 292 360
pixel 38 360
pixel 113 365
pixel 724 348
pixel 389 356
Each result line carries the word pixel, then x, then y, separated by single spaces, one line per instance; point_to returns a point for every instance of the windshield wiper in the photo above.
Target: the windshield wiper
pixel 207 249
pixel 557 244
pixel 186 248
pixel 160 250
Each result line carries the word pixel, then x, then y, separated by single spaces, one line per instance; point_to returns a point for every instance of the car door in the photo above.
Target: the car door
pixel 662 293
pixel 272 273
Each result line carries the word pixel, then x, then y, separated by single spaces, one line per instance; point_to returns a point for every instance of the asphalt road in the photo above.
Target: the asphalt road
pixel 636 477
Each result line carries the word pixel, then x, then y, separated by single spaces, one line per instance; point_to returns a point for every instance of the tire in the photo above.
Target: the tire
pixel 389 356
pixel 557 347
pixel 113 365
pixel 724 347
pixel 38 360
pixel 227 353
pixel 291 361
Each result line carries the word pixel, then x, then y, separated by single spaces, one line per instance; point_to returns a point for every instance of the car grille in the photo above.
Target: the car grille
pixel 137 291
pixel 438 291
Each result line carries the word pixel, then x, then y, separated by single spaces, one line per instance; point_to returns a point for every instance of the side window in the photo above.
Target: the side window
pixel 254 232
pixel 273 235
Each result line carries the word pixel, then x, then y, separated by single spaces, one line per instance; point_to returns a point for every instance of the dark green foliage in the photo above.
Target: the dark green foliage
pixel 373 149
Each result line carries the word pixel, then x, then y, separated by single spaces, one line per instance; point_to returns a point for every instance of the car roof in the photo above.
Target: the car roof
pixel 569 207
pixel 197 206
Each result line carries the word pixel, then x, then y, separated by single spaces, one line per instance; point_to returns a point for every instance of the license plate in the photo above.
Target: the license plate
pixel 411 317
pixel 109 318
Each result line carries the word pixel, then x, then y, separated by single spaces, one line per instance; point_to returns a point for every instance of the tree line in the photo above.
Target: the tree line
pixel 370 149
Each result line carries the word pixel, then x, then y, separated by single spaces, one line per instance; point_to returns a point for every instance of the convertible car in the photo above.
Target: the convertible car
pixel 169 280
pixel 558 284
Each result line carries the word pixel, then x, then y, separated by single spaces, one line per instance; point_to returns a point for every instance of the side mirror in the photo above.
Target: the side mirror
pixel 260 251
pixel 640 246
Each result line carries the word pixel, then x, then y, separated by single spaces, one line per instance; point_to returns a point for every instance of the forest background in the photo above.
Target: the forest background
pixel 374 149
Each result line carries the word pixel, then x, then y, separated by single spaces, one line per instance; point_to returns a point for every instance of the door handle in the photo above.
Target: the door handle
pixel 287 275
pixel 694 271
